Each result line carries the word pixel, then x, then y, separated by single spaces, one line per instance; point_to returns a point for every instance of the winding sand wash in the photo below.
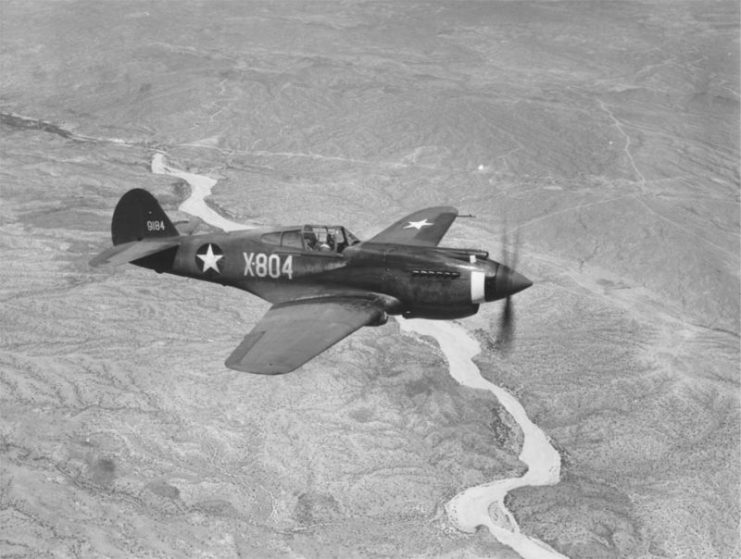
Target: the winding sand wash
pixel 195 204
pixel 482 505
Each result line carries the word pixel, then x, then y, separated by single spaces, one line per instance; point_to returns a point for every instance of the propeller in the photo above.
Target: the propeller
pixel 510 255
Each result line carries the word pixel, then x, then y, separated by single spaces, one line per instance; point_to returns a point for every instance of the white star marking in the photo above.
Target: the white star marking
pixel 417 224
pixel 210 260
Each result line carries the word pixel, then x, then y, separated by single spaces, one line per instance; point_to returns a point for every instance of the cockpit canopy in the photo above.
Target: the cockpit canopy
pixel 319 238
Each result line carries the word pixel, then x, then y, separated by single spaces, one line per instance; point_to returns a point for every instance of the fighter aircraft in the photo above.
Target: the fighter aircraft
pixel 322 281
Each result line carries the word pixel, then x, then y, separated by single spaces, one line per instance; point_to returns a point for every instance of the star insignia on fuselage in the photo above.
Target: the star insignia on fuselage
pixel 210 255
pixel 418 224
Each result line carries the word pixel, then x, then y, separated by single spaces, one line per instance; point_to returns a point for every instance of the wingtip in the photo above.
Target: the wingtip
pixel 236 365
pixel 99 260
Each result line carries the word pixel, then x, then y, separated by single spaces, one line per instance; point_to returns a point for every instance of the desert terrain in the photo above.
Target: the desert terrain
pixel 605 133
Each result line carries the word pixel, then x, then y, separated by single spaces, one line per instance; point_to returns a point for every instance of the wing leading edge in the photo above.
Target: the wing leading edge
pixel 422 228
pixel 290 334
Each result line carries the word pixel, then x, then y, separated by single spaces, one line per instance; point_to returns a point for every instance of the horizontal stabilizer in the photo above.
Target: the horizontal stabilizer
pixel 134 250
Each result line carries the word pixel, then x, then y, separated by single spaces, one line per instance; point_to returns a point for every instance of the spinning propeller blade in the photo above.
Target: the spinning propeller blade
pixel 510 255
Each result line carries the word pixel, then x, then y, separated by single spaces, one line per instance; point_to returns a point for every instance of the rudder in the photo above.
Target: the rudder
pixel 139 216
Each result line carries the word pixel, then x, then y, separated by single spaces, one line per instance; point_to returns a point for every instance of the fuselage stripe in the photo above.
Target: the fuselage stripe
pixel 477 287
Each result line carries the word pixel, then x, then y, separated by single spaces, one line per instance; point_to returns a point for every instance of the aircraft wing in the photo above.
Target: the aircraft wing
pixel 292 333
pixel 422 228
pixel 134 250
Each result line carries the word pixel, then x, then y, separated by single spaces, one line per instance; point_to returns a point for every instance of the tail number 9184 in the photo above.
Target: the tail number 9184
pixel 261 265
pixel 155 225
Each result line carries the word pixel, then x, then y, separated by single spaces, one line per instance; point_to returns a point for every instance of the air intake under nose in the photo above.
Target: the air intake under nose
pixel 506 282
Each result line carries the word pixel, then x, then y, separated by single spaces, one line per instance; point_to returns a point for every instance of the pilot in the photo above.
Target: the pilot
pixel 323 244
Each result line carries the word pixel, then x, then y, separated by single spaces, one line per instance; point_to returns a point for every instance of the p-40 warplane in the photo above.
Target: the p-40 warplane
pixel 322 281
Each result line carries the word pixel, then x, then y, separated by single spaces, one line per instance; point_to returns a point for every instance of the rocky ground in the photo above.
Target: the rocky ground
pixel 605 133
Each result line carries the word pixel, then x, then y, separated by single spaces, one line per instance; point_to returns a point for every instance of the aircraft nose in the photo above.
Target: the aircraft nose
pixel 506 282
pixel 517 282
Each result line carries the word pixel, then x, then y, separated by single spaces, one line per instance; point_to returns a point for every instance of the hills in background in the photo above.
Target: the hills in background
pixel 605 133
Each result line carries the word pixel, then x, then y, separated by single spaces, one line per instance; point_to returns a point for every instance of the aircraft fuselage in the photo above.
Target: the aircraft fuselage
pixel 427 282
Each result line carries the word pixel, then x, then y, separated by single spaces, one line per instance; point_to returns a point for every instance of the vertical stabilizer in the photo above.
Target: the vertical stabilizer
pixel 139 216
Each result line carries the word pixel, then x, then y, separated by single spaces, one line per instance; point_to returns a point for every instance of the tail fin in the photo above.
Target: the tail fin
pixel 139 216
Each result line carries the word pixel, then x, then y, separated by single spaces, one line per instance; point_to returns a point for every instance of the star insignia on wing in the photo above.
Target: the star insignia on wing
pixel 210 258
pixel 418 224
